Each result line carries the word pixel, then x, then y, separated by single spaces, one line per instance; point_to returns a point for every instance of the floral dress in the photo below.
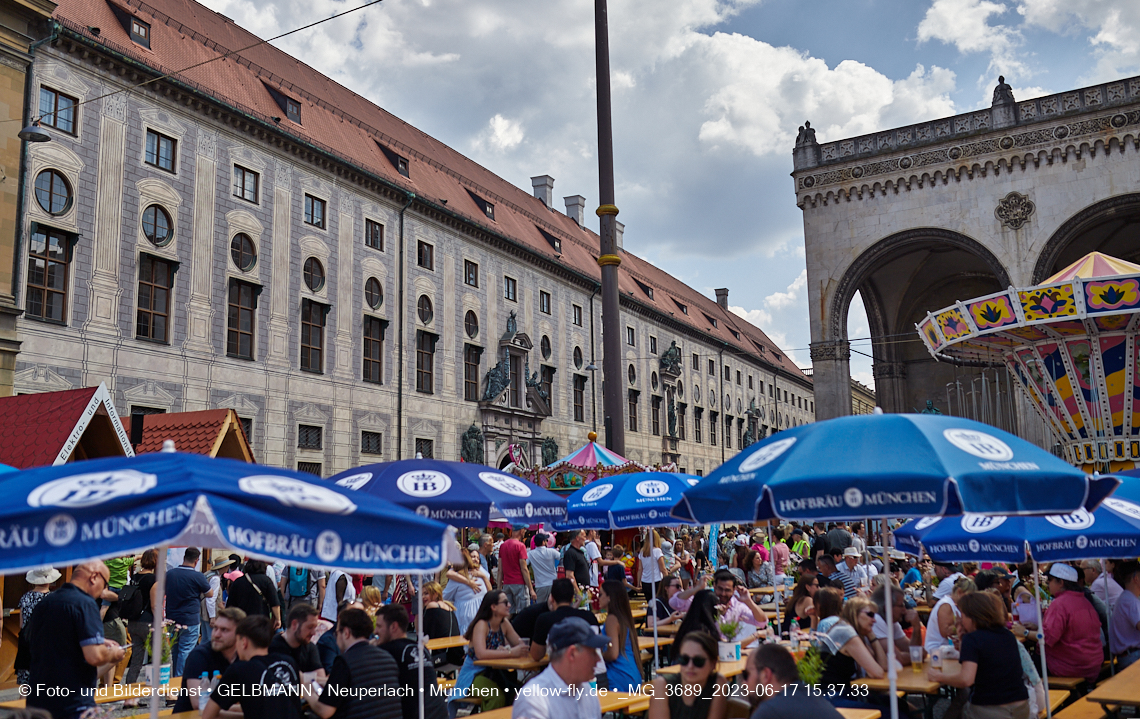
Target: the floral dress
pixel 28 603
pixel 466 676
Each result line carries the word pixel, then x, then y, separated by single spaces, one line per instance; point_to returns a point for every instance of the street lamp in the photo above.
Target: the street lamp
pixel 34 133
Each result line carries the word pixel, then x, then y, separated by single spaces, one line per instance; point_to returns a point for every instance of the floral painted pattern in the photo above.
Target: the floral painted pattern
pixel 930 335
pixel 953 324
pixel 1047 302
pixel 991 313
pixel 1112 295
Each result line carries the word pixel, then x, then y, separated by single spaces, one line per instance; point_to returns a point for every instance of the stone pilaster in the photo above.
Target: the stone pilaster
pixel 105 289
pixel 347 296
pixel 278 354
pixel 200 311
pixel 831 373
pixel 890 386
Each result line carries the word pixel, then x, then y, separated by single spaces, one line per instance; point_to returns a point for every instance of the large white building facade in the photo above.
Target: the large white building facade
pixel 356 291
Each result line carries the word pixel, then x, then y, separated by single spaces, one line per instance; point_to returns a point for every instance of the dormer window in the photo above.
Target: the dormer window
pixel 140 32
pixel 735 333
pixel 684 308
pixel 644 288
pixel 487 208
pixel 711 320
pixel 293 110
pixel 553 241
pixel 398 161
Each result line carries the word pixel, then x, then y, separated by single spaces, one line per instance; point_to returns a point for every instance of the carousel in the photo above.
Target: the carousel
pixel 1070 343
pixel 588 463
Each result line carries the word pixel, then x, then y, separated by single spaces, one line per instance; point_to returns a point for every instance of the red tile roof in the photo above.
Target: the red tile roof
pixel 195 432
pixel 37 426
pixel 341 122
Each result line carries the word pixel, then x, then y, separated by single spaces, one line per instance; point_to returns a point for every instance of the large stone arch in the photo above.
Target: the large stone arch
pixel 1092 229
pixel 900 278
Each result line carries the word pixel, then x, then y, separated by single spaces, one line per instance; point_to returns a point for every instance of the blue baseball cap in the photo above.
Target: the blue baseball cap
pixel 575 630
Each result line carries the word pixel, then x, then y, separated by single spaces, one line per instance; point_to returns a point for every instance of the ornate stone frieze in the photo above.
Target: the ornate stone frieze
pixel 1014 210
pixel 831 351
pixel 889 370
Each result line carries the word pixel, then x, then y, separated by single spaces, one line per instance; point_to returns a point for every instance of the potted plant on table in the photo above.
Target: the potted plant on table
pixel 169 631
pixel 728 648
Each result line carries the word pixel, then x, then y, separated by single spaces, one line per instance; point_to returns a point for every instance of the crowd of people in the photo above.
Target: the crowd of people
pixel 569 600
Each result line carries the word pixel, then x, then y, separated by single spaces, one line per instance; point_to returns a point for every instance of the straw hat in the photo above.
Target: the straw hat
pixel 221 563
pixel 42 575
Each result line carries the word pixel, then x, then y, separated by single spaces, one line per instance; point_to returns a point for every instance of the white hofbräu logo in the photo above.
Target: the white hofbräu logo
pixel 423 483
pixel 975 546
pixel 354 481
pixel 1123 506
pixel 1078 520
pixel 652 488
pixel 653 514
pixel 926 522
pixel 88 490
pixel 60 530
pixel 423 511
pixel 529 509
pixel 853 497
pixel 980 523
pixel 1082 542
pixel 328 546
pixel 979 444
pixel 596 492
pixel 765 454
pixel 503 483
pixel 295 493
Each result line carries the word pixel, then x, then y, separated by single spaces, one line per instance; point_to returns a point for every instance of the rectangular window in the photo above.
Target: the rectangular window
pixel 425 448
pixel 728 432
pixel 310 468
pixel 712 428
pixel 470 273
pixel 630 337
pixel 696 361
pixel 632 411
pixel 293 110
pixel 245 184
pixel 516 370
pixel 771 390
pixel 48 257
pixel 738 376
pixel 579 398
pixel 153 315
pixel 425 256
pixel 371 442
pixel 242 308
pixel 57 110
pixel 373 350
pixel 577 312
pixel 653 345
pixel 544 302
pixel 425 362
pixel 314 211
pixel 310 436
pixel 510 289
pixel 247 427
pixel 749 381
pixel 471 356
pixel 160 150
pixel 374 235
pixel 140 32
pixel 785 396
pixel 712 368
pixel 727 373
pixel 312 335
pixel 697 421
pixel 137 414
pixel 655 416
pixel 681 421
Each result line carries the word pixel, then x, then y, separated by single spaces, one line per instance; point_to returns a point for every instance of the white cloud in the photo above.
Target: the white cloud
pixel 789 303
pixel 504 134
pixel 965 24
pixel 1114 24
pixel 782 300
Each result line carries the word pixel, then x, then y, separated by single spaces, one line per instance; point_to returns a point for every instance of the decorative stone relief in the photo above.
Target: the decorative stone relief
pixel 1014 210
pixel 830 351
pixel 207 143
pixel 115 105
pixel 309 412
pixel 150 394
pixel 283 175
pixel 40 378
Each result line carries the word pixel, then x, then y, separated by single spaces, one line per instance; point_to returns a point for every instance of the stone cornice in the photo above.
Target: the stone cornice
pixel 963 146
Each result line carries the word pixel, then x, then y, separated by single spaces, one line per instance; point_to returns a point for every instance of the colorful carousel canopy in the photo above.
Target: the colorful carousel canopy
pixel 592 455
pixel 1070 343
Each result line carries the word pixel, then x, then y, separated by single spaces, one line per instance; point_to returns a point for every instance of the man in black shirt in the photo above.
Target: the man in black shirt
pixel 266 685
pixel 392 637
pixel 209 658
pixel 297 642
pixel 364 680
pixel 255 594
pixel 523 622
pixel 772 680
pixel 561 597
pixel 66 634
pixel 575 562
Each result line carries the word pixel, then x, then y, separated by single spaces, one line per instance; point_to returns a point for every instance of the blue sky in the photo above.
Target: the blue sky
pixel 707 98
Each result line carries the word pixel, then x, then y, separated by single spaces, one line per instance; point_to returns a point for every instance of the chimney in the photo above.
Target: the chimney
pixel 543 188
pixel 576 208
pixel 722 297
pixel 619 230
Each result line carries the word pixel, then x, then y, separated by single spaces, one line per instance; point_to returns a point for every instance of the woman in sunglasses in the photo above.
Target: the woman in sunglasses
pixel 693 692
pixel 846 646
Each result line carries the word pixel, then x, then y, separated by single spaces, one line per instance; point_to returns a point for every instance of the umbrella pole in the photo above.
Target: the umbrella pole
pixel 775 592
pixel 653 607
pixel 420 637
pixel 892 675
pixel 1041 638
pixel 156 636
pixel 1104 572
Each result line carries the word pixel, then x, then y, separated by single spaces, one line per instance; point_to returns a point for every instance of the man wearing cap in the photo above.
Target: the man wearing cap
pixel 1072 627
pixel 858 574
pixel 800 545
pixel 562 690
pixel 210 603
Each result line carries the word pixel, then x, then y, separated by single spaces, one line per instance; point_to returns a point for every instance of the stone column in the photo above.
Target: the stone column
pixel 831 373
pixel 105 289
pixel 200 311
pixel 890 386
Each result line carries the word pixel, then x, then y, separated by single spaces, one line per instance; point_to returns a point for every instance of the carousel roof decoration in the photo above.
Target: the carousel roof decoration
pixel 587 464
pixel 1070 342
pixel 592 454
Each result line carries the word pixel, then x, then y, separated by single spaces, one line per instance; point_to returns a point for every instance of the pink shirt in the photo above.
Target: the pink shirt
pixel 737 611
pixel 763 552
pixel 510 553
pixel 780 556
pixel 1072 637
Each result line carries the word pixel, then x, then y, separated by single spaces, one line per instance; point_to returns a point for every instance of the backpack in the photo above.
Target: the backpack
pixel 299 585
pixel 132 601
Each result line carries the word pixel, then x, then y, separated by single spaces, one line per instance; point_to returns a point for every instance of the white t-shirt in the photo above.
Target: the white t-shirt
pixel 934 638
pixel 650 569
pixel 1114 590
pixel 593 554
pixel 544 562
pixel 328 611
pixel 215 581
pixel 880 631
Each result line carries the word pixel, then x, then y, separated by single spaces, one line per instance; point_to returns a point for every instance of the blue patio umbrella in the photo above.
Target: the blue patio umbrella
pixel 890 465
pixel 5 469
pixel 1112 530
pixel 642 499
pixel 459 493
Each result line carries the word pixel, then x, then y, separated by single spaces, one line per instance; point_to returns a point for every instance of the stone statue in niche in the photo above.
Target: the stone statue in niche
pixel 512 326
pixel 1003 93
pixel 498 378
pixel 749 435
pixel 549 451
pixel 472 445
pixel 670 361
pixel 672 415
pixel 532 380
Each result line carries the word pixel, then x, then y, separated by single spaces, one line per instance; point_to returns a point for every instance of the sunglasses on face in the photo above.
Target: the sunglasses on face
pixel 869 613
pixel 698 661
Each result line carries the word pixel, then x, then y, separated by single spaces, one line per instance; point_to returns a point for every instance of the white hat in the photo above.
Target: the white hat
pixel 42 575
pixel 741 541
pixel 1063 571
pixel 852 552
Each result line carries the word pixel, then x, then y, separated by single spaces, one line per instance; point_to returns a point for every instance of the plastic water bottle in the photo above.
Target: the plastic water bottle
pixel 205 686
pixel 936 659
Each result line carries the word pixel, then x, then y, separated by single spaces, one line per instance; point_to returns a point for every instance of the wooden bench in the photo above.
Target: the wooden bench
pixel 1085 710
pixel 1057 697
pixel 1070 683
